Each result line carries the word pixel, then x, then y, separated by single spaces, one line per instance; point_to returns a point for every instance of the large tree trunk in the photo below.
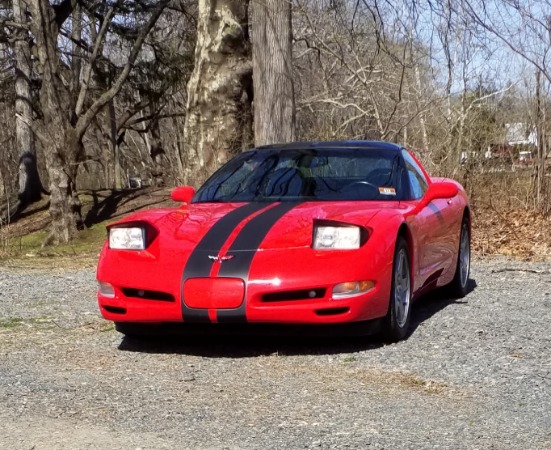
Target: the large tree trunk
pixel 222 73
pixel 63 145
pixel 274 98
pixel 30 186
pixel 65 207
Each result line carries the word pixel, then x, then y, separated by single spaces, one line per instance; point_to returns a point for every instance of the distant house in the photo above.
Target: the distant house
pixel 520 134
pixel 499 156
pixel 517 149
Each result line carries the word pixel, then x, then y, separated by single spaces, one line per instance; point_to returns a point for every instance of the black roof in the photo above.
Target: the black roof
pixel 368 145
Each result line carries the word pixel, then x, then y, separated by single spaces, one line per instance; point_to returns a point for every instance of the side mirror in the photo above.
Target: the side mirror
pixel 183 194
pixel 440 189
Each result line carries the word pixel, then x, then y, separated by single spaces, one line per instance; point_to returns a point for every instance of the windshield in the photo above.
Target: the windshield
pixel 305 175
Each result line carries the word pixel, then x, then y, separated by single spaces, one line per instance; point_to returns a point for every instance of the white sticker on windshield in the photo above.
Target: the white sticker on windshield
pixel 387 191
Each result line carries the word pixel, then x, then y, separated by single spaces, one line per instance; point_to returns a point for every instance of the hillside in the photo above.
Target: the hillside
pixel 21 241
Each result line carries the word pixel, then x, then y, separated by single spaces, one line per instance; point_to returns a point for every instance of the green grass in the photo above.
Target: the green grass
pixel 28 248
pixel 14 322
pixel 106 326
pixel 87 241
pixel 349 359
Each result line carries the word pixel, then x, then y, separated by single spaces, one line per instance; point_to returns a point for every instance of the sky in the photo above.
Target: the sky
pixel 496 42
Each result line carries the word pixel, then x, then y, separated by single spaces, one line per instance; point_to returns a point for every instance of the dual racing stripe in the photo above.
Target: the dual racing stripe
pixel 250 237
pixel 199 265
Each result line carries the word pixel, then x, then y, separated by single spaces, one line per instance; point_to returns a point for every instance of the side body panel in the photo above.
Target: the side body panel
pixel 437 227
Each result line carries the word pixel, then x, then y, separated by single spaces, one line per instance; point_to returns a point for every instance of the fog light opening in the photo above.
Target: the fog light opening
pixel 106 289
pixel 352 288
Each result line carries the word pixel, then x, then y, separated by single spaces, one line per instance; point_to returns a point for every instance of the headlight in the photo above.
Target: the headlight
pixel 132 238
pixel 352 288
pixel 336 237
pixel 106 289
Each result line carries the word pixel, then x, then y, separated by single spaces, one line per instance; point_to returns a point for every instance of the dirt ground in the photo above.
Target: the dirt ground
pixel 474 374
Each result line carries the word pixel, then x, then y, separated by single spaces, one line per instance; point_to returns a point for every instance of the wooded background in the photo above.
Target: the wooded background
pixel 116 94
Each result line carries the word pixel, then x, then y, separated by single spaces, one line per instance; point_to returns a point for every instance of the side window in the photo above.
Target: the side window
pixel 417 182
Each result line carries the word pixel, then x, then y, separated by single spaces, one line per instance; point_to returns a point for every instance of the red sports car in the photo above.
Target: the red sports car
pixel 314 233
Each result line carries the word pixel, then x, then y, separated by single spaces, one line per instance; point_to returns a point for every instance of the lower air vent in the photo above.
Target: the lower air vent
pixel 304 294
pixel 331 311
pixel 114 310
pixel 148 295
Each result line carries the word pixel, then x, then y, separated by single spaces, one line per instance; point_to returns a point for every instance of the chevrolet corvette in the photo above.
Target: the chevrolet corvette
pixel 314 234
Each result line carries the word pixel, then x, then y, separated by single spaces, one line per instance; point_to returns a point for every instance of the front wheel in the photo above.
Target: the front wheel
pixel 399 309
pixel 459 285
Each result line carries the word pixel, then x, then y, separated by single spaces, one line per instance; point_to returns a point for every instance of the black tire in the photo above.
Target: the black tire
pixel 399 309
pixel 459 287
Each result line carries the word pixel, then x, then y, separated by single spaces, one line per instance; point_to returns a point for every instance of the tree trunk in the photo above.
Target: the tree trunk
pixel 222 72
pixel 117 181
pixel 541 150
pixel 178 148
pixel 63 146
pixel 422 124
pixel 2 189
pixel 247 118
pixel 30 186
pixel 157 151
pixel 65 207
pixel 274 98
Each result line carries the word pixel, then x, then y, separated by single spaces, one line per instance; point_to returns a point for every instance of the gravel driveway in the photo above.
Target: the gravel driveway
pixel 474 373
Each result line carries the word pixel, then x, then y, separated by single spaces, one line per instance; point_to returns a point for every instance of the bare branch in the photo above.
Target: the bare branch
pixel 88 70
pixel 85 120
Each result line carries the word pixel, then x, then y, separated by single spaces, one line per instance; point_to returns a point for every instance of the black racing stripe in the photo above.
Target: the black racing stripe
pixel 437 212
pixel 199 264
pixel 250 237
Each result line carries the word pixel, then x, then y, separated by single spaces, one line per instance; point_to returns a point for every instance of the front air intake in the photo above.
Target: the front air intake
pixel 148 295
pixel 285 296
pixel 331 311
pixel 114 309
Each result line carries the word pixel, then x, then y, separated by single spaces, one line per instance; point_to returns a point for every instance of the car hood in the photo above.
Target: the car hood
pixel 295 228
pixel 255 226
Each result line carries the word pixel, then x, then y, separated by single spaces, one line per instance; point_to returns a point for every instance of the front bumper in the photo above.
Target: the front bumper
pixel 366 306
pixel 290 287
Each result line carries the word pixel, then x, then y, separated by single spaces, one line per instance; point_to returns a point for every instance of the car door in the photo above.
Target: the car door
pixel 429 225
pixel 445 233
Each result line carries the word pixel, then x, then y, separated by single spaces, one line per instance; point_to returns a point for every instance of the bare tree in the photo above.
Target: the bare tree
pixel 361 73
pixel 543 202
pixel 30 186
pixel 274 96
pixel 533 46
pixel 218 88
pixel 67 114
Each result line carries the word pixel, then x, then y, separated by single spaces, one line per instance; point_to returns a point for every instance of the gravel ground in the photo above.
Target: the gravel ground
pixel 474 374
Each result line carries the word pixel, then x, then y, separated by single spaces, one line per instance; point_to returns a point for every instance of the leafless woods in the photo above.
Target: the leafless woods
pixel 112 94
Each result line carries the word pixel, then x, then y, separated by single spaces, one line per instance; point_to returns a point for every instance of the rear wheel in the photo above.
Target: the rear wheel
pixel 458 286
pixel 399 310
